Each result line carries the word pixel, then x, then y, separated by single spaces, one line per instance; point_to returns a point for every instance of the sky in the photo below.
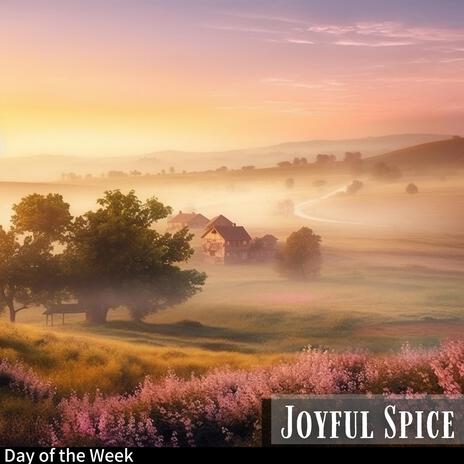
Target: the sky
pixel 127 77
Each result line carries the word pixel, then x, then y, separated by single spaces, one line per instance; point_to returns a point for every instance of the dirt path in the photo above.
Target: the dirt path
pixel 300 209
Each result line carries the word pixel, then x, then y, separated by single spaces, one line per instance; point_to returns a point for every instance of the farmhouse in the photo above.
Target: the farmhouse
pixel 191 220
pixel 225 244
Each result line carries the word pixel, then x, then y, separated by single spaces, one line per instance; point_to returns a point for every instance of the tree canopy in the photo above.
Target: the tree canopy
pixel 30 269
pixel 115 258
pixel 300 257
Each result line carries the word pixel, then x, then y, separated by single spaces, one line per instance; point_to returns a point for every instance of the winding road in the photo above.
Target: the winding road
pixel 300 209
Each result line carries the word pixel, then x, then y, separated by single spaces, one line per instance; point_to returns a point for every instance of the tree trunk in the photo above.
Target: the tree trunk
pixel 96 315
pixel 12 313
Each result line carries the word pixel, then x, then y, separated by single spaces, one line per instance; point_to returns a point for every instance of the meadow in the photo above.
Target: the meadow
pixel 392 275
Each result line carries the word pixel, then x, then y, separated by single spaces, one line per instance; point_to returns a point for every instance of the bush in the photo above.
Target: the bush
pixel 412 189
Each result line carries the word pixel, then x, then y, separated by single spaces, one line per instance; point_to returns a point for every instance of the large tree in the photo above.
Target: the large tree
pixel 29 265
pixel 114 258
pixel 300 257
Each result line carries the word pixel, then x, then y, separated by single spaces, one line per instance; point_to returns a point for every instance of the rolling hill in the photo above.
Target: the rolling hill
pixel 50 168
pixel 447 153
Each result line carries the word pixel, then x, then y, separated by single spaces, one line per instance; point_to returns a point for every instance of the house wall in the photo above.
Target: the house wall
pixel 236 252
pixel 213 247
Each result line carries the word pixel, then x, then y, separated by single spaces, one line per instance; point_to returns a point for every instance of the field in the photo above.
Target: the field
pixel 392 276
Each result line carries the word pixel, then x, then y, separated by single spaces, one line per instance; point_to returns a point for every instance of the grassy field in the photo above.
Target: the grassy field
pixel 393 278
pixel 373 293
pixel 382 284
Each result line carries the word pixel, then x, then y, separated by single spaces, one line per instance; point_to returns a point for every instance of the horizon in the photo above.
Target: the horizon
pixel 223 75
pixel 233 149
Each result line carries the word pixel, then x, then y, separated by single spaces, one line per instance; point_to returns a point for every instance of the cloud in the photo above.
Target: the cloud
pixel 452 60
pixel 330 85
pixel 383 43
pixel 385 30
pixel 270 18
pixel 300 41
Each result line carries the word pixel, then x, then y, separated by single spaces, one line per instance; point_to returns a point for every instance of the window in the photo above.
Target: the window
pixel 212 253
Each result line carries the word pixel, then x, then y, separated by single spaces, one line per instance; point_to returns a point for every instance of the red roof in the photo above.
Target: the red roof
pixel 182 218
pixel 219 221
pixel 190 219
pixel 233 234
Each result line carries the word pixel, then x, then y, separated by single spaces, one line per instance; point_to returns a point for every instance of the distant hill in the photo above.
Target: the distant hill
pixel 271 155
pixel 443 153
pixel 50 168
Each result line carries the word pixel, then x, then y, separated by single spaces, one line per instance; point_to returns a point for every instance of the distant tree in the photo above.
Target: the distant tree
pixel 324 159
pixel 303 161
pixel 319 183
pixel 412 189
pixel 30 269
pixel 284 164
pixel 384 172
pixel 115 258
pixel 296 161
pixel 248 168
pixel 351 156
pixel 300 257
pixel 172 170
pixel 135 173
pixel 222 169
pixel 285 207
pixel 290 183
pixel 116 174
pixel 354 187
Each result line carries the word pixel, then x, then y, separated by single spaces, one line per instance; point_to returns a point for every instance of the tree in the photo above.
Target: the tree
pixel 354 187
pixel 301 255
pixel 324 159
pixel 386 173
pixel 412 189
pixel 115 258
pixel 30 270
pixel 284 164
pixel 351 156
pixel 289 183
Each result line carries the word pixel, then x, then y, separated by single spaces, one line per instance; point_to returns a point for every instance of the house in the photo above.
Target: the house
pixel 191 220
pixel 225 244
pixel 263 248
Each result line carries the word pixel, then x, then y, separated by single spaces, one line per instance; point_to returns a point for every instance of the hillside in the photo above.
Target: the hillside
pixel 50 168
pixel 444 153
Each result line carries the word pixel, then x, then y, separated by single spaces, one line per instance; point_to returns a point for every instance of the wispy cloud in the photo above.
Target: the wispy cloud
pixel 383 43
pixel 290 83
pixel 300 41
pixel 286 82
pixel 452 60
pixel 390 30
pixel 269 18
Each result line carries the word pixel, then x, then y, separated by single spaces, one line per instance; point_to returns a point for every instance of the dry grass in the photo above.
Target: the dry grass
pixel 84 363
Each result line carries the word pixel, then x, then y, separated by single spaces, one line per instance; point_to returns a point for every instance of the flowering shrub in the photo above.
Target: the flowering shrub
pixel 22 379
pixel 223 407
